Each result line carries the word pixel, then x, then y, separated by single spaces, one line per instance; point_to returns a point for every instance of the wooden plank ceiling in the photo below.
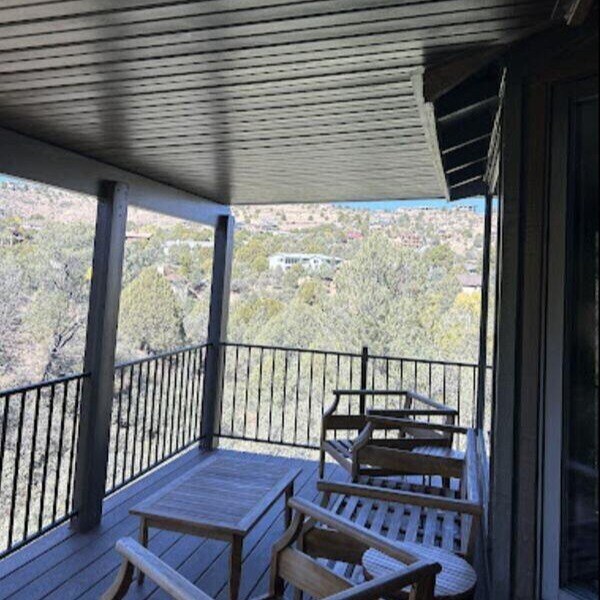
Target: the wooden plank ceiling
pixel 245 101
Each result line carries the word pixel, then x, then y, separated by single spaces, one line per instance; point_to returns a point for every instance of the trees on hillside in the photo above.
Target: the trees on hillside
pixel 397 300
pixel 150 319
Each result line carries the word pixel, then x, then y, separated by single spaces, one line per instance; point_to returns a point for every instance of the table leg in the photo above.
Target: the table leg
pixel 144 542
pixel 235 566
pixel 287 511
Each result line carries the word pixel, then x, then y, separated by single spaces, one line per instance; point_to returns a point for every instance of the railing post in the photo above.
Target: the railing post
pixel 217 330
pixel 364 366
pixel 99 361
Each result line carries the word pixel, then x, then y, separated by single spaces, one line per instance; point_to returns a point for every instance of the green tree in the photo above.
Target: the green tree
pixel 150 319
pixel 57 268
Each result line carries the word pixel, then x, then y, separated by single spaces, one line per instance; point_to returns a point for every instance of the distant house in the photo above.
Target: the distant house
pixel 409 239
pixel 354 235
pixel 191 244
pixel 470 282
pixel 310 262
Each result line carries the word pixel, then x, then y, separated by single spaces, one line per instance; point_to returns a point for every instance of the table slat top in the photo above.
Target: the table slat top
pixel 223 493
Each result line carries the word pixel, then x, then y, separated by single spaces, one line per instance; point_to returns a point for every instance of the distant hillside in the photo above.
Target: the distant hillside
pixel 461 228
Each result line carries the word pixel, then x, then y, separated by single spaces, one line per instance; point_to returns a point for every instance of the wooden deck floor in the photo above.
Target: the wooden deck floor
pixel 65 565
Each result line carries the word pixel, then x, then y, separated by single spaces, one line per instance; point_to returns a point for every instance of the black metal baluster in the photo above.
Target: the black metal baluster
pixel 270 432
pixel 118 428
pixel 145 419
pixel 284 403
pixel 167 407
pixel 15 483
pixel 234 391
pixel 6 401
pixel 246 393
pixel 310 392
pixel 402 374
pixel 430 379
pixel 173 405
pixel 161 411
pixel 259 395
pixel 459 384
pixel 324 387
pixel 190 395
pixel 199 392
pixel 72 449
pixel 351 381
pixel 180 403
pixel 444 384
pixel 174 366
pixel 474 396
pixel 45 459
pixel 32 461
pixel 152 437
pixel 298 372
pixel 223 349
pixel 176 414
pixel 136 420
pixel 128 433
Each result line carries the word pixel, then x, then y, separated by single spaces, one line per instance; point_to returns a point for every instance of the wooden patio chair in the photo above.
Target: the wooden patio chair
pixel 289 565
pixel 438 516
pixel 413 406
pixel 420 448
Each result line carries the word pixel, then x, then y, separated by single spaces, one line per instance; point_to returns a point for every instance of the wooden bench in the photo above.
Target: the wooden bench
pixel 413 406
pixel 441 516
pixel 289 564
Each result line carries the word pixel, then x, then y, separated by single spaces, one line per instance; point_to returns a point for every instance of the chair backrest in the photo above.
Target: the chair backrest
pixel 449 418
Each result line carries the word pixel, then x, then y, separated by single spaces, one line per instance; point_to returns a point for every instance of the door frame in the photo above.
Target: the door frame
pixel 565 96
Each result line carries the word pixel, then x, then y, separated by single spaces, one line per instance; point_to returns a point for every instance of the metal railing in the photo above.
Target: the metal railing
pixel 454 384
pixel 156 412
pixel 38 443
pixel 269 394
pixel 277 395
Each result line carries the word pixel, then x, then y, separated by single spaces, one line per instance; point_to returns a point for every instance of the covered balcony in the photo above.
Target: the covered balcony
pixel 189 108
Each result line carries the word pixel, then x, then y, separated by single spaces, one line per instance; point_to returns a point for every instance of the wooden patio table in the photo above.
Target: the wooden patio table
pixel 223 498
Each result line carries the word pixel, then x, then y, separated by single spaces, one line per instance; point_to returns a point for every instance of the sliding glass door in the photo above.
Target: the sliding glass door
pixel 570 473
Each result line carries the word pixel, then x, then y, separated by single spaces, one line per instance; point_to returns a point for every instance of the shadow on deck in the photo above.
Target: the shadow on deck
pixel 64 564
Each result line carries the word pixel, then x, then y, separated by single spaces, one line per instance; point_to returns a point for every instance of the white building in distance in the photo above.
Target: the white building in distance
pixel 310 262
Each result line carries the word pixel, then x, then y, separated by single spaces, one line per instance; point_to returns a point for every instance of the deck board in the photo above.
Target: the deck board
pixel 65 565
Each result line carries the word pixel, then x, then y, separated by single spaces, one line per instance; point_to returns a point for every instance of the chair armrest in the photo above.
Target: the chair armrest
pixel 430 402
pixel 408 412
pixel 333 406
pixel 370 392
pixel 363 438
pixel 164 576
pixel 421 572
pixel 356 532
pixel 413 424
pixel 401 497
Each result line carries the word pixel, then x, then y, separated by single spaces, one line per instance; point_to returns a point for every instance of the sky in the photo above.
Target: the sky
pixel 477 203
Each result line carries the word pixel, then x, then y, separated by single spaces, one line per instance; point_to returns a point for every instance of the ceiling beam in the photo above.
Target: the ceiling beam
pixel 28 158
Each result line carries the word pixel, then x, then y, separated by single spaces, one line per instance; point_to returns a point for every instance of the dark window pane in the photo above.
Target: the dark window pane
pixel 579 560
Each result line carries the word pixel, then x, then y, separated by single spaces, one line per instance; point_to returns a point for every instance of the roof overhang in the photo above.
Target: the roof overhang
pixel 249 101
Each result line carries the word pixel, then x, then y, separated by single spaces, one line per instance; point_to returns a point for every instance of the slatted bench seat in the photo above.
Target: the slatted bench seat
pixel 444 516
